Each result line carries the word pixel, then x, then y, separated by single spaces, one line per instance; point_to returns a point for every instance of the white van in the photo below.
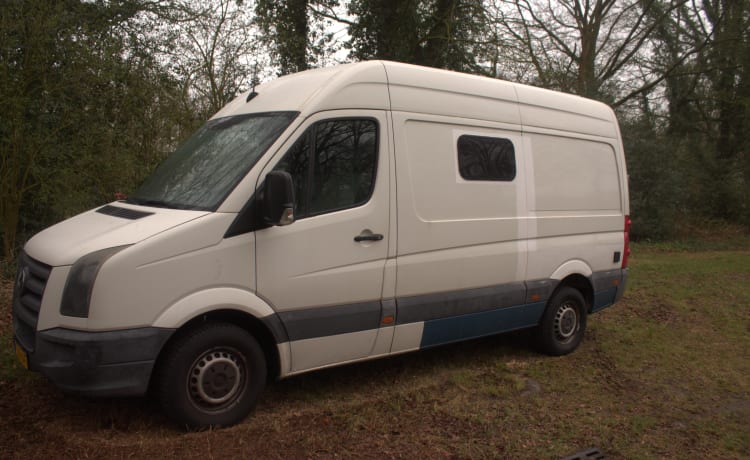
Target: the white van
pixel 332 216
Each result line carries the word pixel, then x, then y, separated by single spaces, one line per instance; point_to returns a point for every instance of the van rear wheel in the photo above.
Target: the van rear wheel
pixel 563 323
pixel 211 376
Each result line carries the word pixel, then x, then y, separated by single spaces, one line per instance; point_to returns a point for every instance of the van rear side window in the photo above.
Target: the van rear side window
pixel 486 158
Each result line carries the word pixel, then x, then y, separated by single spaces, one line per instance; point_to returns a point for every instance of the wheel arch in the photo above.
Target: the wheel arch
pixel 230 305
pixel 576 274
pixel 580 283
pixel 246 321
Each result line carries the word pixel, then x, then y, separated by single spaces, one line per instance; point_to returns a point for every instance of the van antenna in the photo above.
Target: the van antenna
pixel 253 81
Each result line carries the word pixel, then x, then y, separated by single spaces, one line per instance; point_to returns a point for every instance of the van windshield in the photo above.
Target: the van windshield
pixel 205 169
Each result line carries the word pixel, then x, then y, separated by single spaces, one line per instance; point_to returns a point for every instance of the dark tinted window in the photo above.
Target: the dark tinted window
pixel 486 158
pixel 297 163
pixel 342 173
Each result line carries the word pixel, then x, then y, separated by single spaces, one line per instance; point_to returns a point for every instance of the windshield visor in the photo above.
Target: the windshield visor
pixel 204 170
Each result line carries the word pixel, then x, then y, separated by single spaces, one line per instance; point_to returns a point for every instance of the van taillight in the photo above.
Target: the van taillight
pixel 626 250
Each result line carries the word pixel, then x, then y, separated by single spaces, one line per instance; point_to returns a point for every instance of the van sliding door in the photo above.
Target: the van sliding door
pixel 462 248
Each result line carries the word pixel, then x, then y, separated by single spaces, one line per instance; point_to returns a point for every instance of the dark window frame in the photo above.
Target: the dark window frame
pixel 459 156
pixel 311 132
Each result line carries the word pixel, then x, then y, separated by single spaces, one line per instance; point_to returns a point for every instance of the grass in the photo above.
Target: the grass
pixel 663 374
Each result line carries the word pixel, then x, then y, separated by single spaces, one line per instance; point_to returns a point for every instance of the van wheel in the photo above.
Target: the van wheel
pixel 563 324
pixel 211 376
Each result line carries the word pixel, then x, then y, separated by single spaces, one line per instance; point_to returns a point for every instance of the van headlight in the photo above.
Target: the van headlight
pixel 77 294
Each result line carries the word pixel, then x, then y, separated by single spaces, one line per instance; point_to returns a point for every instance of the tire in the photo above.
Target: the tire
pixel 211 376
pixel 563 323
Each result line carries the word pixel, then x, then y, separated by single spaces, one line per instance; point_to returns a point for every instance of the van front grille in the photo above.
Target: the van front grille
pixel 27 298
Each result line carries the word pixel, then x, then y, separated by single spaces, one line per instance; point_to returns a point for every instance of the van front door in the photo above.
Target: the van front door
pixel 323 274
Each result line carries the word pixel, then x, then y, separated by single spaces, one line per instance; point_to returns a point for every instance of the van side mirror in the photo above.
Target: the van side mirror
pixel 277 207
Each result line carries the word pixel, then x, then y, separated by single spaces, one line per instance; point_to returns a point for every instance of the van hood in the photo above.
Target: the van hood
pixel 115 224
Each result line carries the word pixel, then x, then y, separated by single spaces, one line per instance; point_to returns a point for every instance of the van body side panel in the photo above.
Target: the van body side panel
pixel 577 190
pixel 407 337
pixel 575 203
pixel 562 112
pixel 318 352
pixel 432 91
pixel 461 243
pixel 574 174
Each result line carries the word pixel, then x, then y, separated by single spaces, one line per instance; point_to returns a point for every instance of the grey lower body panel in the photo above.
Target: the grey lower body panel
pixel 331 320
pixel 457 303
pixel 623 283
pixel 448 316
pixel 609 288
pixel 112 363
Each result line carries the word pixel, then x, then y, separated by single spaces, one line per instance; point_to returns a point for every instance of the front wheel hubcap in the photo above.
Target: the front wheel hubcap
pixel 566 321
pixel 216 378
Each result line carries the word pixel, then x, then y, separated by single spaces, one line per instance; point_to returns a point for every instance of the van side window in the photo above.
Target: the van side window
pixel 486 158
pixel 342 172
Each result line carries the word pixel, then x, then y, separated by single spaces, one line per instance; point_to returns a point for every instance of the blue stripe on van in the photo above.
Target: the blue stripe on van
pixel 457 328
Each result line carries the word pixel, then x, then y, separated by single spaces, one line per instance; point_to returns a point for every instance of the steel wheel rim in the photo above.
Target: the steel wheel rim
pixel 216 379
pixel 566 321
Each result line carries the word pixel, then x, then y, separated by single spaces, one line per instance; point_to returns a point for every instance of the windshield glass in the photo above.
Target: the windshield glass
pixel 203 170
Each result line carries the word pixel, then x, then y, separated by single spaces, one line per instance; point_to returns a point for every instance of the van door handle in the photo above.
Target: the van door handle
pixel 368 237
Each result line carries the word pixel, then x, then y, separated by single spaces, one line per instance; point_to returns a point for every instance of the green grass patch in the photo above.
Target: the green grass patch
pixel 663 374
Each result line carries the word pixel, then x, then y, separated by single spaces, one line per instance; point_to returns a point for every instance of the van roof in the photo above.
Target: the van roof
pixel 385 85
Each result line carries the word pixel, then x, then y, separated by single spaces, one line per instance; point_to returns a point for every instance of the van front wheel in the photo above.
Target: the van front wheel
pixel 563 323
pixel 211 376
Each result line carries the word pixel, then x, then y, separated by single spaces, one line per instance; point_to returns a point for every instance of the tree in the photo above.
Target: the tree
pixel 385 29
pixel 286 30
pixel 585 47
pixel 729 71
pixel 85 113
pixel 214 50
pixel 708 109
pixel 436 33
pixel 298 32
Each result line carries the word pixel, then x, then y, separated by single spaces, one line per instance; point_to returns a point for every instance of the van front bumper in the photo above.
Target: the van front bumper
pixel 101 364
